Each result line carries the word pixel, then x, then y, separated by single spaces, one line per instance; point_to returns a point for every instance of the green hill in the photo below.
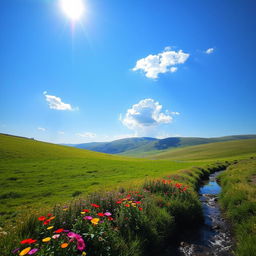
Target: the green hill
pixel 162 145
pixel 117 146
pixel 217 150
pixel 37 174
pixel 144 146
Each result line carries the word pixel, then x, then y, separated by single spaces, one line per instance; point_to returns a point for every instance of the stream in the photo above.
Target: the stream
pixel 213 237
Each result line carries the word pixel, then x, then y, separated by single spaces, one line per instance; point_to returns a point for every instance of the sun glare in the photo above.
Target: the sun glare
pixel 74 9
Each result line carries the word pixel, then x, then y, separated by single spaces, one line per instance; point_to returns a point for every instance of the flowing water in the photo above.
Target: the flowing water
pixel 213 237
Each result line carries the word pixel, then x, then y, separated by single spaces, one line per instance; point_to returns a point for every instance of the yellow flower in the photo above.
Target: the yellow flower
pixel 134 205
pixel 84 253
pixel 25 251
pixel 95 221
pixel 47 239
pixel 64 245
pixel 50 227
pixel 129 202
pixel 82 212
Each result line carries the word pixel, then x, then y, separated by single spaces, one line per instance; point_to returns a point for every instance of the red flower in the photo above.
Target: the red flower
pixel 138 202
pixel 46 222
pixel 140 208
pixel 86 210
pixel 59 230
pixel 178 185
pixel 28 241
pixel 42 218
pixel 101 214
pixel 110 218
pixel 95 205
pixel 118 202
pixel 127 205
pixel 49 214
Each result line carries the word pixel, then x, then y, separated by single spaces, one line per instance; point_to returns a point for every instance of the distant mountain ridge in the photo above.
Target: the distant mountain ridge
pixel 140 146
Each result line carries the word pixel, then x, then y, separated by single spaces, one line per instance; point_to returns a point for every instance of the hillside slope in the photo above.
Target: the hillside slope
pixel 217 150
pixel 37 174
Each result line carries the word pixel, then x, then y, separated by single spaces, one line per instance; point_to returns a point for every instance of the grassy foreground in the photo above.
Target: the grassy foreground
pixel 238 199
pixel 35 174
pixel 136 222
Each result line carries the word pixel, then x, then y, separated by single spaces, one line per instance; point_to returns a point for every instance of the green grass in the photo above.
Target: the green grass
pixel 35 174
pixel 145 220
pixel 213 151
pixel 238 198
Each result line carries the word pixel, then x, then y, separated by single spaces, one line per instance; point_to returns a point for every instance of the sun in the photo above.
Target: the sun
pixel 74 9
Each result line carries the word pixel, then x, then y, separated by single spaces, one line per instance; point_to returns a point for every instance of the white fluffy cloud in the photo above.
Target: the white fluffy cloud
pixel 55 102
pixel 41 129
pixel 89 135
pixel 163 62
pixel 145 114
pixel 209 51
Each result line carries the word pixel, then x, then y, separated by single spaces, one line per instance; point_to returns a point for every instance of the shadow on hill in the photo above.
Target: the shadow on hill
pixel 167 143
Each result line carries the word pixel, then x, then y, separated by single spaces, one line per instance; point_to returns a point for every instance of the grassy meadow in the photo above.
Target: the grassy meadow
pixel 35 174
pixel 59 200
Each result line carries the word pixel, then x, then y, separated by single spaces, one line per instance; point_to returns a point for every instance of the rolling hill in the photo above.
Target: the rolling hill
pixel 141 147
pixel 117 146
pixel 36 174
pixel 217 150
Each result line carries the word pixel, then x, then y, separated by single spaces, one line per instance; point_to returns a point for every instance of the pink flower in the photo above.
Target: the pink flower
pixel 107 214
pixel 80 245
pixel 88 218
pixel 33 251
pixel 72 235
pixel 56 236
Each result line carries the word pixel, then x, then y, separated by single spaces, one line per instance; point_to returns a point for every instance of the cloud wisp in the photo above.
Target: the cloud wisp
pixel 209 51
pixel 41 129
pixel 160 63
pixel 89 135
pixel 56 103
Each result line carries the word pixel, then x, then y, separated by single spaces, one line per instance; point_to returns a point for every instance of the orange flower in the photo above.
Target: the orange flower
pixel 64 245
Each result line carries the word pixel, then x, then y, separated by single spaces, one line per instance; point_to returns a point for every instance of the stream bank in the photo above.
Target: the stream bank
pixel 213 237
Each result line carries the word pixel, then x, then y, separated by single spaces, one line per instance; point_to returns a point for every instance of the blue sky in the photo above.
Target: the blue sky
pixel 127 68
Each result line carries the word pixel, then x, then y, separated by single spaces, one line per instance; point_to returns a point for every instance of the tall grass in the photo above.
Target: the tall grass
pixel 239 202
